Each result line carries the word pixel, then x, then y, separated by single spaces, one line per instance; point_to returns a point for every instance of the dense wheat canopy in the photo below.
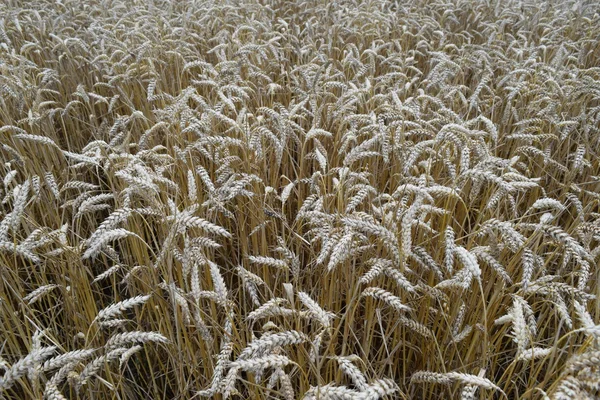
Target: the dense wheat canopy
pixel 265 199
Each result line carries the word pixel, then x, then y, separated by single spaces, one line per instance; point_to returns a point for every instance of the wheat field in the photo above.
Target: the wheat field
pixel 269 199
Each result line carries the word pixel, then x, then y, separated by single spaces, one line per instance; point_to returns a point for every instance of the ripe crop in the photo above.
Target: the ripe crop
pixel 268 199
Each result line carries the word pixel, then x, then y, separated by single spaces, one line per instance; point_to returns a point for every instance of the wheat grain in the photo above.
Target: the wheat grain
pixel 260 168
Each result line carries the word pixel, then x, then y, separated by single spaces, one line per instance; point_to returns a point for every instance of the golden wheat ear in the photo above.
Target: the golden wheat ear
pixel 266 199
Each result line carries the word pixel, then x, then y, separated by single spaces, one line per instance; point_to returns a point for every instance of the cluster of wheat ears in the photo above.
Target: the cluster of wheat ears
pixel 263 199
